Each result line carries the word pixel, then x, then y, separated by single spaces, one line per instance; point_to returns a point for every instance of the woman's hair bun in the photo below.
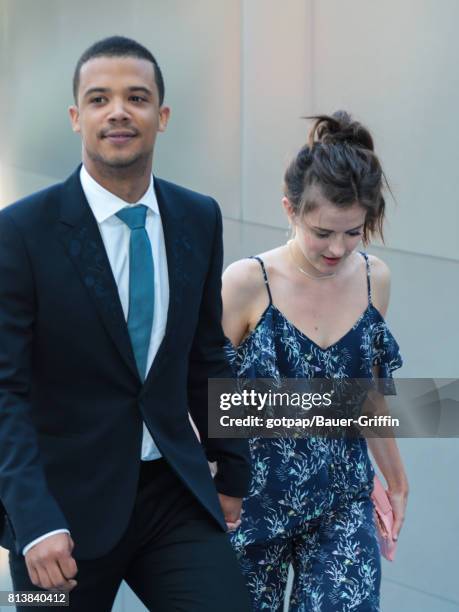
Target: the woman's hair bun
pixel 339 128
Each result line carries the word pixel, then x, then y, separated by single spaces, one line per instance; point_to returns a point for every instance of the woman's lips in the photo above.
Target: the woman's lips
pixel 331 261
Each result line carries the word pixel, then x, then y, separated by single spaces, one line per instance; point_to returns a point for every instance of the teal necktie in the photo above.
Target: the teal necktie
pixel 141 284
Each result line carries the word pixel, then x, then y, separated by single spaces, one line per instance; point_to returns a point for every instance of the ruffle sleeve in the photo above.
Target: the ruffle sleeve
pixel 386 356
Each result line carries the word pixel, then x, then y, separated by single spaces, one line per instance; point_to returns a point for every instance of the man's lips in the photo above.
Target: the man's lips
pixel 119 136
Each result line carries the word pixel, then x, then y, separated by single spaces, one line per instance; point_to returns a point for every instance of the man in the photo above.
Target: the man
pixel 109 330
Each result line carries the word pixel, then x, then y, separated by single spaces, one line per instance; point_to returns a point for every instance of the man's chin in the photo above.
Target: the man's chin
pixel 121 162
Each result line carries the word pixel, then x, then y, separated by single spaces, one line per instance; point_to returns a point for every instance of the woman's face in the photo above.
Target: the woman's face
pixel 327 234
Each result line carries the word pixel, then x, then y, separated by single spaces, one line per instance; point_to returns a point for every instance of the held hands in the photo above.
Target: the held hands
pixel 50 563
pixel 231 507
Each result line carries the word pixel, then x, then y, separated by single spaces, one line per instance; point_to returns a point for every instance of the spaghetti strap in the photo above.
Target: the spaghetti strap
pixel 265 276
pixel 367 263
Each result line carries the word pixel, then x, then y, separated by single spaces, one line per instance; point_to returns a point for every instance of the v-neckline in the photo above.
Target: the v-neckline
pixel 305 336
pixel 330 346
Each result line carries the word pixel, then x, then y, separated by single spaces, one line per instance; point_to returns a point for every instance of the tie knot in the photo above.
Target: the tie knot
pixel 134 216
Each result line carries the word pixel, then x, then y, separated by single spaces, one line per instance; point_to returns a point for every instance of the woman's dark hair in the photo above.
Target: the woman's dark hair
pixel 339 158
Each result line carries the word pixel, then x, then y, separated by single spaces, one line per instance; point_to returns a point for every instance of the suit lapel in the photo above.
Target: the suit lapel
pixel 177 248
pixel 79 232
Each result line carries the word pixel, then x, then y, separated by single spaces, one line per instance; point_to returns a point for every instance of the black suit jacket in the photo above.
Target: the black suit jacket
pixel 71 402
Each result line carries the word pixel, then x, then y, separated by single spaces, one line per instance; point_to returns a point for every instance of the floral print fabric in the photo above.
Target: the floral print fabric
pixel 309 500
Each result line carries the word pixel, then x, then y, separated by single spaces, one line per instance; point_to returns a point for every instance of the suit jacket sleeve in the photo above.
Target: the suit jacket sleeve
pixel 207 360
pixel 24 494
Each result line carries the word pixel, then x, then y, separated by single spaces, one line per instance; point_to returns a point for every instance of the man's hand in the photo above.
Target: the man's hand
pixel 231 507
pixel 50 563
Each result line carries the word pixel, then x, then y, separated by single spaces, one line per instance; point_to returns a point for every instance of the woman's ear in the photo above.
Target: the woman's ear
pixel 289 211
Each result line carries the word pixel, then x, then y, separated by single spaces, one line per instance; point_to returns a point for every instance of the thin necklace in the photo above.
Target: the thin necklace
pixel 300 269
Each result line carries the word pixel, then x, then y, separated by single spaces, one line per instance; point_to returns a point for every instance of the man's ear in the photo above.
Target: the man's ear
pixel 164 115
pixel 74 114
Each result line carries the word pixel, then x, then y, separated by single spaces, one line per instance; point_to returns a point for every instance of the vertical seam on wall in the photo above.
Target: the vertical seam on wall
pixel 242 112
pixel 311 80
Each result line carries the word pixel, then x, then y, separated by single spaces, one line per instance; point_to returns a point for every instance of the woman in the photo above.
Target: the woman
pixel 314 308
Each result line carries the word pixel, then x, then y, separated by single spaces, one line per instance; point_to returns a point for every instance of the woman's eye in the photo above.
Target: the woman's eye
pixel 322 235
pixel 357 233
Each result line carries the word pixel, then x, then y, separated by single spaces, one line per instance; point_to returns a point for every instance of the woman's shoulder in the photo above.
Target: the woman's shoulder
pixel 245 295
pixel 243 280
pixel 380 283
pixel 246 281
pixel 244 272
pixel 379 273
pixel 248 274
pixel 378 267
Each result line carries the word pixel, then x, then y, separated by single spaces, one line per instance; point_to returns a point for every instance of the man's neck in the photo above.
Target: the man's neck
pixel 126 183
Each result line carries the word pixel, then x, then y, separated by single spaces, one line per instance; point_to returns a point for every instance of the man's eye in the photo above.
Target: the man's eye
pixel 97 100
pixel 137 99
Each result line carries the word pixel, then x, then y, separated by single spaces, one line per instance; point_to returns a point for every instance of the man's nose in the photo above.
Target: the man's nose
pixel 118 111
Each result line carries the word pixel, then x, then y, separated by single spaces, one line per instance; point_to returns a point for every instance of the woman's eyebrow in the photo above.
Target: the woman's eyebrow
pixel 323 229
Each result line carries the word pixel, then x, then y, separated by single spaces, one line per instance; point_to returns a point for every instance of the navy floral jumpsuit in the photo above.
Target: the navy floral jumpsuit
pixel 309 501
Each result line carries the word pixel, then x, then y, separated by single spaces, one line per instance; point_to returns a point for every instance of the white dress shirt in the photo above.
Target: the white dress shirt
pixel 116 236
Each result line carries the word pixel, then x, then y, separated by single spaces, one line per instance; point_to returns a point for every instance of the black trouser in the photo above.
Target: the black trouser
pixel 173 555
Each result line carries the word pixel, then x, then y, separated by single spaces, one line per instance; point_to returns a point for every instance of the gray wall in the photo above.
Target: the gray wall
pixel 239 75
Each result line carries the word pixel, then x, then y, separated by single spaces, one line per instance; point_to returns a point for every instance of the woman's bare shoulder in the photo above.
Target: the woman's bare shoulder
pixel 244 280
pixel 379 271
pixel 378 266
pixel 380 283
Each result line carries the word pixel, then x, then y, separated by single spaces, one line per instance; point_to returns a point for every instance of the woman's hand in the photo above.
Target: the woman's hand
pixel 231 507
pixel 398 500
pixel 388 459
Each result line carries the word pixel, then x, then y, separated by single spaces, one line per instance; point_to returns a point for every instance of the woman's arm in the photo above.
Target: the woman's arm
pixel 385 450
pixel 242 288
pixel 387 456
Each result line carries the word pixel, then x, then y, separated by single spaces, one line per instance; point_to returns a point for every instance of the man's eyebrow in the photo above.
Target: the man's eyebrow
pixel 93 90
pixel 141 88
pixel 323 229
pixel 133 88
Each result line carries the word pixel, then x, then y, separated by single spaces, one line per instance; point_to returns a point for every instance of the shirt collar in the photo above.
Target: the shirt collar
pixel 105 204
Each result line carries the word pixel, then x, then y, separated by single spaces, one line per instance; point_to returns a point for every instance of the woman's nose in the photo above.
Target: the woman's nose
pixel 337 247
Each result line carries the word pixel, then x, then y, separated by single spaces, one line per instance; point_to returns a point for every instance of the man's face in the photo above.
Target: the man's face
pixel 118 113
